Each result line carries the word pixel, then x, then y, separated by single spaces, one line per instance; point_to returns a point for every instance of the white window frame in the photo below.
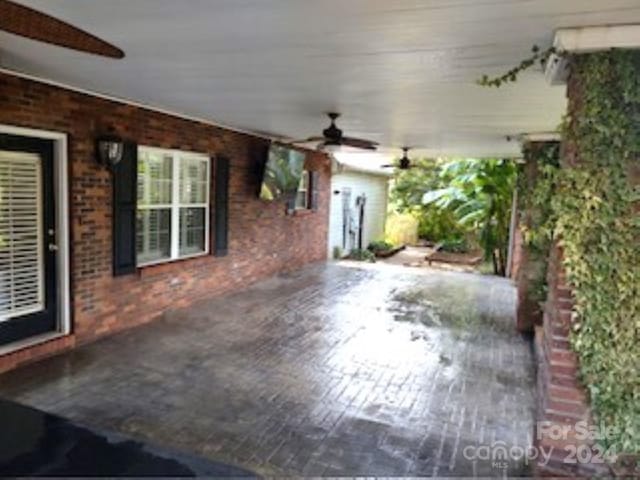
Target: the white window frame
pixel 176 205
pixel 307 193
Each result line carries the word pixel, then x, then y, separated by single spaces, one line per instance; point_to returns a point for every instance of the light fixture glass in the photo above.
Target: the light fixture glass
pixel 110 151
pixel 331 147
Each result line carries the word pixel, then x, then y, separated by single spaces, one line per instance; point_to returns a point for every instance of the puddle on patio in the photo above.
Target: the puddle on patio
pixel 444 308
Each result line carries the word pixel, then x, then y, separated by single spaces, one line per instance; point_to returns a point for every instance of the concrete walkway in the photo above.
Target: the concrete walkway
pixel 339 369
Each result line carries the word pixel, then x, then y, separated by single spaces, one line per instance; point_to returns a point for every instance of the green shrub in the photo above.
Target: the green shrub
pixel 337 252
pixel 455 246
pixel 437 225
pixel 362 255
pixel 380 246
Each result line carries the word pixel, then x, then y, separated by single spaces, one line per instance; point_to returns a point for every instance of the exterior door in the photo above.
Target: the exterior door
pixel 28 296
pixel 347 243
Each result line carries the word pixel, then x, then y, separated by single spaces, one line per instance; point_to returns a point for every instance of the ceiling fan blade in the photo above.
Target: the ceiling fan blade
pixel 359 143
pixel 30 23
pixel 308 140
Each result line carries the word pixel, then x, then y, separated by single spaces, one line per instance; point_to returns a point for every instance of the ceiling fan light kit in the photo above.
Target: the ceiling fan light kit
pixel 404 163
pixel 333 139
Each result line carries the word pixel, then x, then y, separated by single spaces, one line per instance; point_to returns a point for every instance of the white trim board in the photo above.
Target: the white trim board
pixel 587 40
pixel 540 137
pixel 61 187
pixel 597 38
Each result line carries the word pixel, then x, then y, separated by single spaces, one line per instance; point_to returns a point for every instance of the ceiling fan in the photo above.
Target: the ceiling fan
pixel 27 22
pixel 404 163
pixel 332 138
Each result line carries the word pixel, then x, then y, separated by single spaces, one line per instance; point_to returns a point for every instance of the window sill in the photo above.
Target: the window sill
pixel 146 268
pixel 303 212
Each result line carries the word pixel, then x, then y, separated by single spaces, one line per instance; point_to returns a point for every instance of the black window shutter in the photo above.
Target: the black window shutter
pixel 314 178
pixel 221 208
pixel 125 195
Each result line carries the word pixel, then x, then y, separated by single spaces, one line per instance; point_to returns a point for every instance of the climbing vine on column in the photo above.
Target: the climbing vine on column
pixel 535 192
pixel 596 211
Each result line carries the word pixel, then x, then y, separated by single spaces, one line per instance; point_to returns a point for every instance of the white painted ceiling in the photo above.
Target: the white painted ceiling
pixel 400 71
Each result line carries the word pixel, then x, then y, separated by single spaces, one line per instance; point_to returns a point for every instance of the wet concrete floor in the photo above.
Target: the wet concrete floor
pixel 337 369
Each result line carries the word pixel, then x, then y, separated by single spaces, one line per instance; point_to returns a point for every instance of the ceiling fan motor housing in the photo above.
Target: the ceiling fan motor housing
pixel 333 133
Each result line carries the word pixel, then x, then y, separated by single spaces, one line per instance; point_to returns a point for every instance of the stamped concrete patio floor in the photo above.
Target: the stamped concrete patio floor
pixel 337 369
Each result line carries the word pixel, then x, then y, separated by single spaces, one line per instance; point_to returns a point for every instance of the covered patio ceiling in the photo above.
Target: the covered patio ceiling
pixel 402 72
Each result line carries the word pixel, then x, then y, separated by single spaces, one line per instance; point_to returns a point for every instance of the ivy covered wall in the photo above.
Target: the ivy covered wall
pixel 536 185
pixel 596 219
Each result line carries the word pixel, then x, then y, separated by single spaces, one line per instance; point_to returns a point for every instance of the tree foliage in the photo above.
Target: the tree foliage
pixel 460 198
pixel 434 224
pixel 479 195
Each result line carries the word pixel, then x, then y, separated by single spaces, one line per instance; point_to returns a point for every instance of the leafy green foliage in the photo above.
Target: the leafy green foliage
pixel 362 255
pixel 479 195
pixel 434 224
pixel 455 246
pixel 537 179
pixel 537 57
pixel 379 246
pixel 596 220
pixel 401 229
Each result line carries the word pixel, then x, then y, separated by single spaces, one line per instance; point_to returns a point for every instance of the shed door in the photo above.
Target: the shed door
pixel 28 297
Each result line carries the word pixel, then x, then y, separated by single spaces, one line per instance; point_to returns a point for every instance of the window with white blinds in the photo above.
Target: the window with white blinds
pixel 21 256
pixel 173 205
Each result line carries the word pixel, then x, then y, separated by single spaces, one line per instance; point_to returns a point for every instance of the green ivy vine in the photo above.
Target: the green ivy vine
pixel 596 210
pixel 537 57
pixel 535 193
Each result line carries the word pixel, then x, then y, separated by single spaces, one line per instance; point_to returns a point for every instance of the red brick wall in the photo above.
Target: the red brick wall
pixel 263 240
pixel 562 400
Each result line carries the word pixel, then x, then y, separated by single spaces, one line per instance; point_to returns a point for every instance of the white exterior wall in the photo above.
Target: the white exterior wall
pixel 375 188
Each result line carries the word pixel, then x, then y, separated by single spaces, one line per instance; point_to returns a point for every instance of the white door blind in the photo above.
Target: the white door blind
pixel 21 256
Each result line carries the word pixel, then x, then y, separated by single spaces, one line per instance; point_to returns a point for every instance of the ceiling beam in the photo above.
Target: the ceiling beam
pixel 593 39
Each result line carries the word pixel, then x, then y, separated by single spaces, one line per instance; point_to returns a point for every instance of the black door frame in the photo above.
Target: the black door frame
pixel 46 321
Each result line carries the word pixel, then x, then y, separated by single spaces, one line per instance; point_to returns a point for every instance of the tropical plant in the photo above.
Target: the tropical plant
pixel 434 224
pixel 479 194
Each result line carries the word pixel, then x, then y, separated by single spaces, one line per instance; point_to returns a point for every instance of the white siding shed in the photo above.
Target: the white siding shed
pixel 358 208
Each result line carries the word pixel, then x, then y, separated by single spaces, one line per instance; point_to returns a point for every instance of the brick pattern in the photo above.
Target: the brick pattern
pixel 562 401
pixel 263 240
pixel 329 371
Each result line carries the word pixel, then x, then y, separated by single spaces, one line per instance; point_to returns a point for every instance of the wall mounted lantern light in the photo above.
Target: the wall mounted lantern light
pixel 109 150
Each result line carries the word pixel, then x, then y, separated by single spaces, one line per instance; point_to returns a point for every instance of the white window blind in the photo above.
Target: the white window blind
pixel 21 256
pixel 302 197
pixel 173 205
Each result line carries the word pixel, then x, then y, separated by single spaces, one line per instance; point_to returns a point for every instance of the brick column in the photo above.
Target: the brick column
pixel 563 412
pixel 531 263
pixel 562 402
